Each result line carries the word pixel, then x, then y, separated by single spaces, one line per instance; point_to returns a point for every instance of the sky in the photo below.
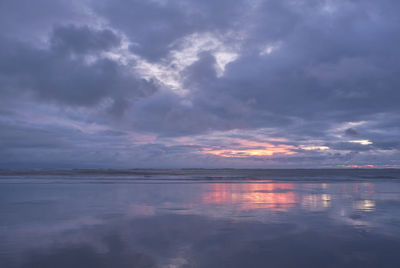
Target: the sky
pixel 199 83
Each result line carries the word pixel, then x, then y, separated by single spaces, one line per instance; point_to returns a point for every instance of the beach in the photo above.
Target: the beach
pixel 189 218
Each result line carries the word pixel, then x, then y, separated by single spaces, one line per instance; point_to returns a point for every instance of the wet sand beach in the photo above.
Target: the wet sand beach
pixel 192 219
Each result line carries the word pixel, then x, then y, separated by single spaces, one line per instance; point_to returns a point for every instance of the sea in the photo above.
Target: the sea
pixel 84 218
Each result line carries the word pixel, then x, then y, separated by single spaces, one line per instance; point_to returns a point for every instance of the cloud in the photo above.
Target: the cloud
pixel 302 71
pixel 154 26
pixel 57 74
pixel 83 40
pixel 351 132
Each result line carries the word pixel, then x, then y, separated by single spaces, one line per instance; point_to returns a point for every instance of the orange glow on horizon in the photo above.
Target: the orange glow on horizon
pixel 357 166
pixel 250 148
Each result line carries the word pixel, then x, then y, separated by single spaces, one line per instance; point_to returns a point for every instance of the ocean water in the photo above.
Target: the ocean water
pixel 199 218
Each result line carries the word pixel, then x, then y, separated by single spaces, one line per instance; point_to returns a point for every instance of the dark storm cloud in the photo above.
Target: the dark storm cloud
pixel 57 74
pixel 154 26
pixel 82 40
pixel 302 71
pixel 25 19
pixel 351 132
pixel 333 66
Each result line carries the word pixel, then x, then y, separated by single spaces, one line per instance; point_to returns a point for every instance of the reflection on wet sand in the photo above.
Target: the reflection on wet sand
pixel 205 224
pixel 285 195
pixel 274 196
pixel 364 205
pixel 316 201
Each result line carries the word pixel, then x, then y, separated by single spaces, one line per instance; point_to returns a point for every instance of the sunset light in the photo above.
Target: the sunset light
pixel 253 196
pixel 244 148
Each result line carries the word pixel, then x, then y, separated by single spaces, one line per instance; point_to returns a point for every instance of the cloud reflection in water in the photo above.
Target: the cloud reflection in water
pixel 225 224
